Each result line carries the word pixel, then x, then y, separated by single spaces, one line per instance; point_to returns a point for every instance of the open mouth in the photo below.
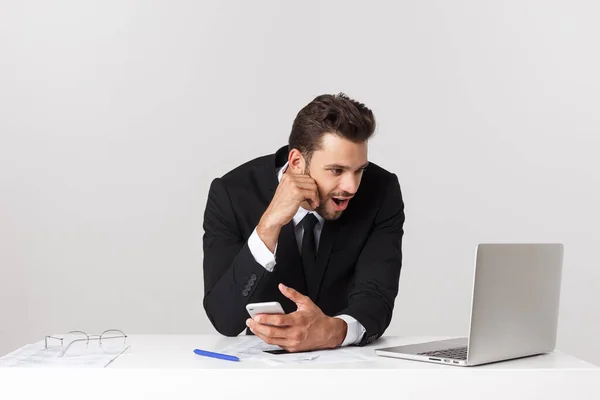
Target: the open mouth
pixel 340 203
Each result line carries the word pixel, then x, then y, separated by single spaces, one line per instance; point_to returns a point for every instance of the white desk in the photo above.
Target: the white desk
pixel 164 351
pixel 159 364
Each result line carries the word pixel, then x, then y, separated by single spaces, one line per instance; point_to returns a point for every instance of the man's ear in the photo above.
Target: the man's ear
pixel 296 162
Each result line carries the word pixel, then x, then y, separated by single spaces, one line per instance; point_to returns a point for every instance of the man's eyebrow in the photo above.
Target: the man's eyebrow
pixel 344 167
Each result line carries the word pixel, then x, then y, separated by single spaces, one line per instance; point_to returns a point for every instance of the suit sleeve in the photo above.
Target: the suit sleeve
pixel 231 274
pixel 377 273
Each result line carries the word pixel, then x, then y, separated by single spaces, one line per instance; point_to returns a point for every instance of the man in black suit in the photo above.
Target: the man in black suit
pixel 311 227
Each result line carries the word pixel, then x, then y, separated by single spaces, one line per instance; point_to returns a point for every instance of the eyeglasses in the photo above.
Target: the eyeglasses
pixel 111 341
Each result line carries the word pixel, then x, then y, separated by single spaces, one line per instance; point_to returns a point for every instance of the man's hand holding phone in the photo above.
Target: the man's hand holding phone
pixel 307 328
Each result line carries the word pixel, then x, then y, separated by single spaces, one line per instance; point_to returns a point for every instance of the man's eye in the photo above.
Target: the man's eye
pixel 337 171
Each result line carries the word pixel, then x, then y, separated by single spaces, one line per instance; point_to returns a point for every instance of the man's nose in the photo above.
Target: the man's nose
pixel 349 184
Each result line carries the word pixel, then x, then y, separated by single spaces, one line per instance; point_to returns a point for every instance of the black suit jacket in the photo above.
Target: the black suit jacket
pixel 359 255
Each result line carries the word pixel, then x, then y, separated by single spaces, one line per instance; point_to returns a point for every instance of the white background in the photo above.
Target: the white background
pixel 116 115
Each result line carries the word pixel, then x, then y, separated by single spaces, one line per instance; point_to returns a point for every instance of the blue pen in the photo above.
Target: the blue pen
pixel 216 355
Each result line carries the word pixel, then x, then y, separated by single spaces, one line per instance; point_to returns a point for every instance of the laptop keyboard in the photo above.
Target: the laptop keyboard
pixel 457 353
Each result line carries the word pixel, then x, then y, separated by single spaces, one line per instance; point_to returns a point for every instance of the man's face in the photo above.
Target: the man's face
pixel 337 168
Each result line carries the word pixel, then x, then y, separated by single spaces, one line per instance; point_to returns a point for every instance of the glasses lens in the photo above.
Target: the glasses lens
pixel 75 343
pixel 112 341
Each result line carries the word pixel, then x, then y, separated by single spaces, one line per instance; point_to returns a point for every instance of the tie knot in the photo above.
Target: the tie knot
pixel 309 221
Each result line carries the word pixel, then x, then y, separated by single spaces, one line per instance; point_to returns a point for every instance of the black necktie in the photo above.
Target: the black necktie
pixel 309 248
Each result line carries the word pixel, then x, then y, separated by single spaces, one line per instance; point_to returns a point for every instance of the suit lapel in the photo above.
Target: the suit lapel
pixel 328 238
pixel 289 263
pixel 287 249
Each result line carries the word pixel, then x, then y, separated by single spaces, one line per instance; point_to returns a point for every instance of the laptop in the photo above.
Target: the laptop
pixel 514 308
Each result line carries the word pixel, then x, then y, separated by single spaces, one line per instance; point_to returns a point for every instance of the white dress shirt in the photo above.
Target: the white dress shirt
pixel 264 257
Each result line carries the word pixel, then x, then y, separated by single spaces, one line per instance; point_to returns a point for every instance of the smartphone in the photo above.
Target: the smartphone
pixel 269 307
pixel 282 351
pixel 276 351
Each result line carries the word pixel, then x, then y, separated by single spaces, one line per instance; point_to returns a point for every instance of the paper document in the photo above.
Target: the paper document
pixel 35 355
pixel 252 348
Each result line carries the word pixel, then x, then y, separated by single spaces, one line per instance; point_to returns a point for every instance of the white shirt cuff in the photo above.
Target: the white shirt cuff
pixel 355 330
pixel 261 252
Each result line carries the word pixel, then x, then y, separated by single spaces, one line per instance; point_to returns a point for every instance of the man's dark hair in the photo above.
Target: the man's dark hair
pixel 327 113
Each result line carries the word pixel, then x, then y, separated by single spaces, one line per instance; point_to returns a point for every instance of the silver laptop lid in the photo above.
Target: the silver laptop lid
pixel 515 301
